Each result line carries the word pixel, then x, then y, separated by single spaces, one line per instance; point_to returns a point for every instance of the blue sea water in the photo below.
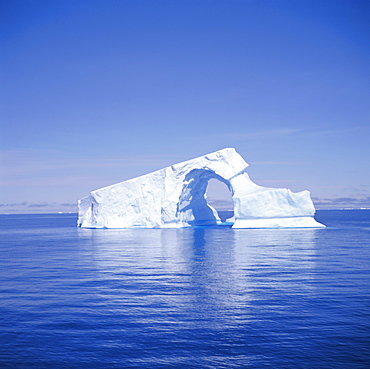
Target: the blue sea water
pixel 184 298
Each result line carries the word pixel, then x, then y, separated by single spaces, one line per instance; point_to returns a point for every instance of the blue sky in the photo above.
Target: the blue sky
pixel 97 92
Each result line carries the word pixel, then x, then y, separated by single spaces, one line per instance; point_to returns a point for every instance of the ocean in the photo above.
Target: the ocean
pixel 184 298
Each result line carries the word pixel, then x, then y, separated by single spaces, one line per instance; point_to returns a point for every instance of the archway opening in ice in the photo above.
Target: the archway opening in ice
pixel 193 207
pixel 218 195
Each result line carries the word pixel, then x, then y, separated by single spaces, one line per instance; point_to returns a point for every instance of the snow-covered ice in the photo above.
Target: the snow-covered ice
pixel 175 197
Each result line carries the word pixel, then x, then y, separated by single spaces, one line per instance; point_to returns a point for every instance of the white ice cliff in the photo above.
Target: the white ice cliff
pixel 175 197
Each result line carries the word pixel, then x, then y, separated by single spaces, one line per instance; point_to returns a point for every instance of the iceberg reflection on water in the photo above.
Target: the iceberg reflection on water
pixel 202 297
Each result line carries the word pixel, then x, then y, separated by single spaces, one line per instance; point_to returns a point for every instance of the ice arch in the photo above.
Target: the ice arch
pixel 174 197
pixel 193 207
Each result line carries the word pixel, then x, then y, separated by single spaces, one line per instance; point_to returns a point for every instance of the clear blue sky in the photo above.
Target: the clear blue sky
pixel 97 92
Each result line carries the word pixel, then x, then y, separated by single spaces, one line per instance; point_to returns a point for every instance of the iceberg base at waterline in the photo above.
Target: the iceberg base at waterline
pixel 175 197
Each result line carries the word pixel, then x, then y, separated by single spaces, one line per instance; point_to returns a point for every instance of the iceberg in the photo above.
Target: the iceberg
pixel 175 197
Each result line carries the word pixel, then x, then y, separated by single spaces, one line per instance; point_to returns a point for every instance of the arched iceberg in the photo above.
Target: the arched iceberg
pixel 174 197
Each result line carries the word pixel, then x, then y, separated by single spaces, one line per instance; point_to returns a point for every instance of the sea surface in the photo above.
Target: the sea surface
pixel 184 298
